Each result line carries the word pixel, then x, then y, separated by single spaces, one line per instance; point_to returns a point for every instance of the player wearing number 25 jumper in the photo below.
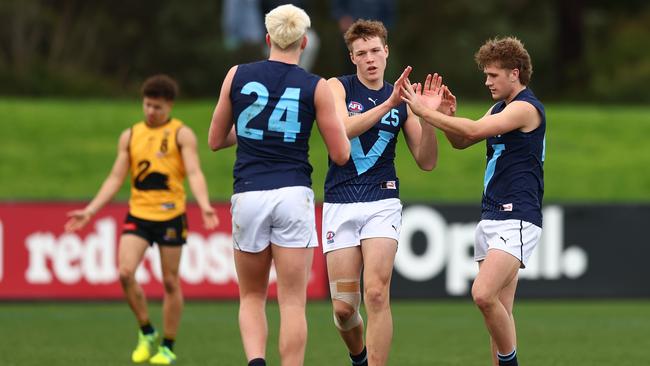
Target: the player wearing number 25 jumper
pixel 362 213
pixel 272 105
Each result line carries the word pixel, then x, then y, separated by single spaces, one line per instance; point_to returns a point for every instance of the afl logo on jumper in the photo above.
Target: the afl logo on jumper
pixel 355 107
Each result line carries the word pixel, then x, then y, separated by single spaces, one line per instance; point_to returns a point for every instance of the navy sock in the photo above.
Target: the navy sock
pixel 361 359
pixel 509 359
pixel 257 362
pixel 169 343
pixel 147 329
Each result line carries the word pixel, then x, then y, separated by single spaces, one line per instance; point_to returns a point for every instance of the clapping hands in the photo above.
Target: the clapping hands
pixel 433 96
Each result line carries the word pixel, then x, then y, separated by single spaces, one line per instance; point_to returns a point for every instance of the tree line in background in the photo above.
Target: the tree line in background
pixel 582 50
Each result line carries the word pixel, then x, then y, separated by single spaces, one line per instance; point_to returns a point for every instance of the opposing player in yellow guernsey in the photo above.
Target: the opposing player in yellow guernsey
pixel 159 152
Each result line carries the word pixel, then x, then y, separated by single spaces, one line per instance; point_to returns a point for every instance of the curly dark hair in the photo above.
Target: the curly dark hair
pixel 160 86
pixel 365 29
pixel 507 53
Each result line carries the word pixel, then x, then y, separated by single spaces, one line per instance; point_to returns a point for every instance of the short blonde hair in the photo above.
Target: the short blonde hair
pixel 286 25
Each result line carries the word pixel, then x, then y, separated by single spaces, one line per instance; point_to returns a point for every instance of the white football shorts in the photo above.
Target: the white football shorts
pixel 346 224
pixel 283 216
pixel 516 237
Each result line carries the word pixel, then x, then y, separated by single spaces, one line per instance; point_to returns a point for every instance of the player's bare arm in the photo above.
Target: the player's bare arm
pixel 516 116
pixel 422 141
pixel 330 125
pixel 460 142
pixel 447 105
pixel 421 136
pixel 356 125
pixel 79 218
pixel 187 144
pixel 221 133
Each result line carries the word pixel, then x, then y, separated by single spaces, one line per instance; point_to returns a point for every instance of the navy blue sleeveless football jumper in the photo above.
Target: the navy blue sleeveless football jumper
pixel 513 187
pixel 369 175
pixel 273 111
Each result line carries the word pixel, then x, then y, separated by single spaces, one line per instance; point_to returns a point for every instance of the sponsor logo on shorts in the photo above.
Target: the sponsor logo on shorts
pixel 330 237
pixel 355 107
pixel 129 226
pixel 506 207
pixel 168 205
pixel 170 233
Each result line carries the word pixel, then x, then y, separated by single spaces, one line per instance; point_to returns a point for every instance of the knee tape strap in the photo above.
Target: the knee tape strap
pixel 348 291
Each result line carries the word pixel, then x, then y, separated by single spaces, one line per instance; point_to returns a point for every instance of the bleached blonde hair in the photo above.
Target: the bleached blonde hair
pixel 286 25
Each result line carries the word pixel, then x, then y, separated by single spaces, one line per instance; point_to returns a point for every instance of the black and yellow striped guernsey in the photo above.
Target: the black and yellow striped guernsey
pixel 157 172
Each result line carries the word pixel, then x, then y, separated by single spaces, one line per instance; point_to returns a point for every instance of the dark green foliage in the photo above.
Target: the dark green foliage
pixel 581 50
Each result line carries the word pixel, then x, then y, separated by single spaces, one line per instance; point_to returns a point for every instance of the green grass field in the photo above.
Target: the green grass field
pixel 63 149
pixel 576 333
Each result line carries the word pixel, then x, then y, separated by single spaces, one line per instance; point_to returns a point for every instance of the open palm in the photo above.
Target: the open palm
pixel 432 91
pixel 421 98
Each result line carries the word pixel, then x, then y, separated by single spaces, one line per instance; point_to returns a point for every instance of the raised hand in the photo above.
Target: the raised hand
pixel 395 97
pixel 448 105
pixel 422 98
pixel 432 91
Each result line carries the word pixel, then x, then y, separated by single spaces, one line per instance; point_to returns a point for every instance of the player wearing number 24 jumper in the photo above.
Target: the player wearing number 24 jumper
pixel 272 105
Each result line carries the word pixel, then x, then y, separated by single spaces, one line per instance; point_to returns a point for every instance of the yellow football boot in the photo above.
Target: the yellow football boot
pixel 145 347
pixel 165 356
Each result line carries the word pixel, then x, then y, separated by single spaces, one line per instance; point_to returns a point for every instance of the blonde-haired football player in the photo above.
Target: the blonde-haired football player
pixel 272 105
